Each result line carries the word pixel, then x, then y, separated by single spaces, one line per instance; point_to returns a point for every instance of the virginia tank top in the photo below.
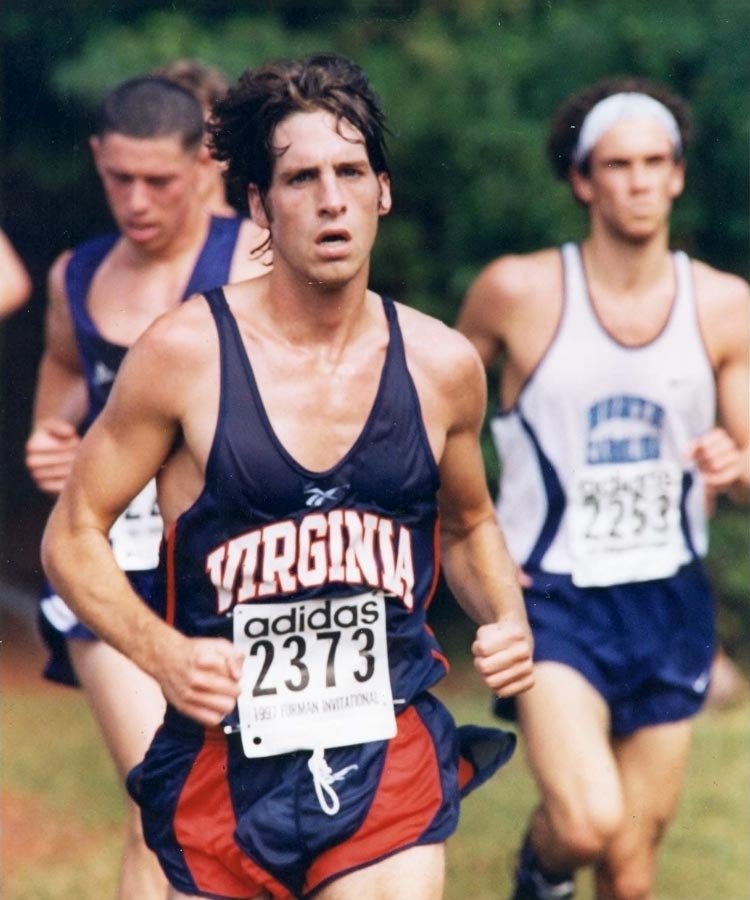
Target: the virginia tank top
pixel 267 530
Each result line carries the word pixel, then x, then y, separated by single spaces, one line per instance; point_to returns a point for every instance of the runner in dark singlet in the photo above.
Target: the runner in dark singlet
pixel 316 445
pixel 102 295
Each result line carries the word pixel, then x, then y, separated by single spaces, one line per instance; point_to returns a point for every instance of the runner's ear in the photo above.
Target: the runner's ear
pixel 95 145
pixel 384 195
pixel 257 205
pixel 581 186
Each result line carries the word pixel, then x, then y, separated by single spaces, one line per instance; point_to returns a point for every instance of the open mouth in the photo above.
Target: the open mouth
pixel 333 238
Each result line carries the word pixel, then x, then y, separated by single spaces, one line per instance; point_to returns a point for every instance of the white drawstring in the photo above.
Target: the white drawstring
pixel 324 778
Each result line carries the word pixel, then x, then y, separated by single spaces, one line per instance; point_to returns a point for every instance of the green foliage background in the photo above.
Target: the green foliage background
pixel 469 86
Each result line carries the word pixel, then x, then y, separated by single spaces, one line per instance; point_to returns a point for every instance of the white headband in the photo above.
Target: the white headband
pixel 616 108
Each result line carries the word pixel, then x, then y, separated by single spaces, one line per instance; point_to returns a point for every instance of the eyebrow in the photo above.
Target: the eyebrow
pixel 302 168
pixel 639 154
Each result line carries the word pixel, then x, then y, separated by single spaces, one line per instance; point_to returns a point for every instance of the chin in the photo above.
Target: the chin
pixel 148 242
pixel 639 234
pixel 329 285
pixel 333 278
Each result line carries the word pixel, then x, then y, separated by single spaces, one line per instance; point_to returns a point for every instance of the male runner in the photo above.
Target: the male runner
pixel 102 295
pixel 306 434
pixel 617 357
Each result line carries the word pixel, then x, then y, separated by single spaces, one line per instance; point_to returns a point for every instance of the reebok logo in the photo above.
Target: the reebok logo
pixel 317 497
pixel 103 374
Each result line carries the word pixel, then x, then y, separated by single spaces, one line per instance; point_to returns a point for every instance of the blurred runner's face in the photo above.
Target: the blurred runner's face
pixel 324 200
pixel 633 180
pixel 151 185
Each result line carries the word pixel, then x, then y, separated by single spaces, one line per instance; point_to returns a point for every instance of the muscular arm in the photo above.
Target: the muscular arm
pixel 15 284
pixel 510 314
pixel 121 452
pixel 733 390
pixel 60 398
pixel 481 315
pixel 476 563
pixel 723 454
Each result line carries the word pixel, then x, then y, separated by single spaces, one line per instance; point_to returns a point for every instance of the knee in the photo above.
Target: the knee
pixel 585 829
pixel 629 882
pixel 626 871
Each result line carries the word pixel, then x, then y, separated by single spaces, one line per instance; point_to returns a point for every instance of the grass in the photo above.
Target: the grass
pixel 706 852
pixel 62 807
pixel 61 802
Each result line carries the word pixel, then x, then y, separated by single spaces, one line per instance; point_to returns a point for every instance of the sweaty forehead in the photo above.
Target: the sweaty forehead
pixel 166 150
pixel 307 137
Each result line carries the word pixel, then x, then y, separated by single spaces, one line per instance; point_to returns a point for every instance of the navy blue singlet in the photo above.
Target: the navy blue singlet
pixel 265 528
pixel 101 358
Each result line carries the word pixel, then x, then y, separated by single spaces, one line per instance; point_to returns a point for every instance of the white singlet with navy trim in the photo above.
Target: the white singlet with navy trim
pixel 596 480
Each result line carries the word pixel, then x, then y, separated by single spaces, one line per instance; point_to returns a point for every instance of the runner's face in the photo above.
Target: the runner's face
pixel 324 200
pixel 151 185
pixel 633 180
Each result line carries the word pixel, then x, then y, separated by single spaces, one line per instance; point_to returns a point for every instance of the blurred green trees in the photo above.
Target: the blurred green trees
pixel 469 86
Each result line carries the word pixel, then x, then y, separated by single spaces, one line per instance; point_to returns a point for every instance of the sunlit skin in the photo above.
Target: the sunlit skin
pixel 151 188
pixel 632 182
pixel 323 203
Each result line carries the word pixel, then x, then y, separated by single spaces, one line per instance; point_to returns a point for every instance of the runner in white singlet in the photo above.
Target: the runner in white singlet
pixel 623 411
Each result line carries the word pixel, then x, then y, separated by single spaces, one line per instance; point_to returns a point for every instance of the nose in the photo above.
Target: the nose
pixel 138 196
pixel 331 198
pixel 639 177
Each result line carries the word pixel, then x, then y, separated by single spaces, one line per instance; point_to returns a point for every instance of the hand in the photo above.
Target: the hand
pixel 503 656
pixel 50 451
pixel 719 460
pixel 201 677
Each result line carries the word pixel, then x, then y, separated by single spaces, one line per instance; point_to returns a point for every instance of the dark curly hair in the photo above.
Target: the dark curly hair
pixel 243 122
pixel 566 124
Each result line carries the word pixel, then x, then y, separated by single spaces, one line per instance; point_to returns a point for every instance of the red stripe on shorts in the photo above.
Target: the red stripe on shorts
pixel 466 772
pixel 407 799
pixel 171 598
pixel 436 573
pixel 204 825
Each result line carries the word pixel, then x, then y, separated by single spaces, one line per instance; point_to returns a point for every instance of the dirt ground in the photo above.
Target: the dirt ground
pixel 33 834
pixel 21 651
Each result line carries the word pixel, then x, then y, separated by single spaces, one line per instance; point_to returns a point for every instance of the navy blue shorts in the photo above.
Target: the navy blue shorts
pixel 646 647
pixel 57 623
pixel 225 826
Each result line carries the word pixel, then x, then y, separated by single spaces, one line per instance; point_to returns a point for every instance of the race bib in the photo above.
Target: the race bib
pixel 136 535
pixel 625 523
pixel 315 675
